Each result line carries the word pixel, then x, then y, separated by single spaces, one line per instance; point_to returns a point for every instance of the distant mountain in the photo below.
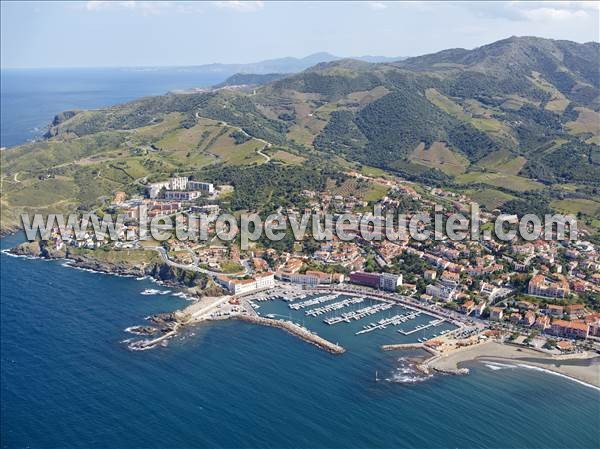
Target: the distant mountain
pixel 279 65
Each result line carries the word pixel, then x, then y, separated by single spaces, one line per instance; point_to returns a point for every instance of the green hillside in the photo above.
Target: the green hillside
pixel 517 115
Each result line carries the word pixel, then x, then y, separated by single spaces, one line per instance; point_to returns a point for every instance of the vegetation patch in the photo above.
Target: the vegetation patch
pixel 510 182
pixel 439 156
pixel 575 205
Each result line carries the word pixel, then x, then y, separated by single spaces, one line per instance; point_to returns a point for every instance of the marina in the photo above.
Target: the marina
pixel 335 306
pixel 432 323
pixel 358 314
pixel 313 301
pixel 392 321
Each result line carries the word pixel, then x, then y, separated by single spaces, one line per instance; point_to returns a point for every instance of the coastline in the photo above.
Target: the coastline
pixel 583 368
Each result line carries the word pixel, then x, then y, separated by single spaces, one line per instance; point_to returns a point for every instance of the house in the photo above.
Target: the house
pixel 569 329
pixel 575 311
pixel 467 307
pixel 528 318
pixel 496 313
pixel 541 286
pixel 450 279
pixel 554 310
pixel 478 309
pixel 430 275
pixel 565 346
pixel 441 292
pixel 515 317
pixel 490 290
pixel 542 323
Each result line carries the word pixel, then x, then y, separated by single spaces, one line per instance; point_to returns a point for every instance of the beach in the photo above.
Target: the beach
pixel 584 367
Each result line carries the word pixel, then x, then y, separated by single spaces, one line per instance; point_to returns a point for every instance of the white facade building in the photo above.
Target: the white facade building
pixel 389 281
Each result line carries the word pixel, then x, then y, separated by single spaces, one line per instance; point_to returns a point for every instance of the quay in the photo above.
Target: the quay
pixel 296 330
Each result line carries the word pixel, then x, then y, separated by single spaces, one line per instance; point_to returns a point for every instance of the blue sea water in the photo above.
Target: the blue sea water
pixel 31 97
pixel 68 379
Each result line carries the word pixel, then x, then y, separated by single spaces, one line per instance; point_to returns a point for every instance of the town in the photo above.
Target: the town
pixel 544 294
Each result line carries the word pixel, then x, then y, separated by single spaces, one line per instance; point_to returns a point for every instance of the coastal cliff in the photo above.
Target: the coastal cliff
pixel 127 262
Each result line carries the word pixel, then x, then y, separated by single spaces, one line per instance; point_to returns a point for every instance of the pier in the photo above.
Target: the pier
pixel 358 314
pixel 392 321
pixel 335 306
pixel 313 301
pixel 296 330
pixel 421 327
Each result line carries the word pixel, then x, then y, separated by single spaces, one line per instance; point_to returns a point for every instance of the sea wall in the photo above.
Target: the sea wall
pixel 295 330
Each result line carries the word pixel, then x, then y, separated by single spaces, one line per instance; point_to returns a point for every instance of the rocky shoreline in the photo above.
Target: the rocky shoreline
pixel 156 269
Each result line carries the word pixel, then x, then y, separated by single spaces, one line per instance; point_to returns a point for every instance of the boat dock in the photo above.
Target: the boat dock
pixel 421 327
pixel 358 314
pixel 391 321
pixel 335 306
pixel 313 301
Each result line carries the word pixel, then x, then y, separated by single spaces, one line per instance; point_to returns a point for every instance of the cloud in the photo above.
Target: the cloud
pixel 377 6
pixel 534 10
pixel 143 7
pixel 240 6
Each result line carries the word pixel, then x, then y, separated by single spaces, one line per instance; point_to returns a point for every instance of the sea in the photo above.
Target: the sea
pixel 68 379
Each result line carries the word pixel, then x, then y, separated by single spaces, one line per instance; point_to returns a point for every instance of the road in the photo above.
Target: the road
pixel 267 144
pixel 193 266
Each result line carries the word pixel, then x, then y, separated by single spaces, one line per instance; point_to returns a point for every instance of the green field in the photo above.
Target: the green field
pixel 510 182
pixel 490 198
pixel 575 205
pixel 439 156
pixel 503 161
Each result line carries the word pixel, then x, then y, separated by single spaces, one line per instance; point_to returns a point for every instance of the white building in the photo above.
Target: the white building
pixel 178 183
pixel 389 281
pixel 442 292
pixel 201 186
pixel 155 188
pixel 181 195
pixel 244 286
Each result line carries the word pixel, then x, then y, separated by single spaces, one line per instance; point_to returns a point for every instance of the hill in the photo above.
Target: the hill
pixel 518 115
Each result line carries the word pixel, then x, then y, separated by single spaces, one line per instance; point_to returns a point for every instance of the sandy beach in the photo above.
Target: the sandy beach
pixel 584 367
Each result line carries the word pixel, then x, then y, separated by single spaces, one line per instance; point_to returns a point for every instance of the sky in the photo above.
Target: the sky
pixel 144 33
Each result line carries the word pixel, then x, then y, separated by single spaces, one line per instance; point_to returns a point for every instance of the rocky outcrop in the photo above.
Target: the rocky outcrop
pixel 54 129
pixel 121 266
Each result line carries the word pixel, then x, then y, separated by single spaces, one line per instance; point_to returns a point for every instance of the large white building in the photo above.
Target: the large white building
pixel 389 281
pixel 201 186
pixel 181 195
pixel 261 281
pixel 179 183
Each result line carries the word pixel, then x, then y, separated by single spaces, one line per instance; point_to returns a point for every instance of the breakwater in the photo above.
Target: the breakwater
pixel 296 330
